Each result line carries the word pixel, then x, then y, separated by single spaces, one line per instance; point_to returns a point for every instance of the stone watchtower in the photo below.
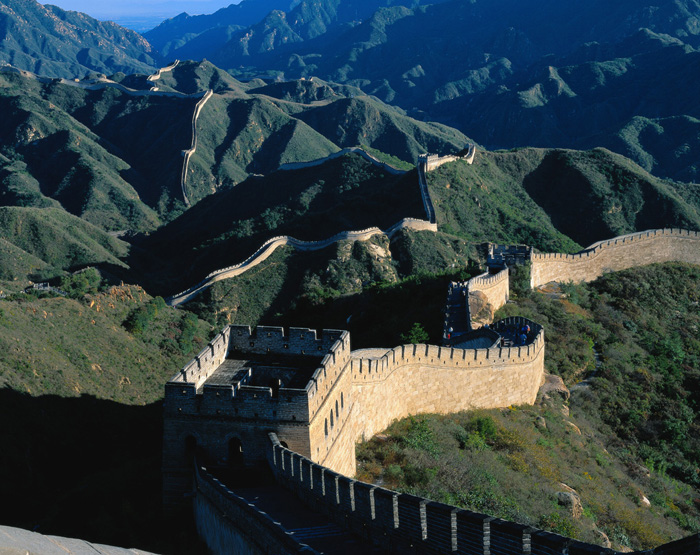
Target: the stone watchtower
pixel 246 384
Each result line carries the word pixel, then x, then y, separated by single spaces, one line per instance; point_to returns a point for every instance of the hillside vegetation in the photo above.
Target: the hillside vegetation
pixel 347 193
pixel 42 243
pixel 80 381
pixel 624 445
pixel 112 342
pixel 551 198
pixel 58 43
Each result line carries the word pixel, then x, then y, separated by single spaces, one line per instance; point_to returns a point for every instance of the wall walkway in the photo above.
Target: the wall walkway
pixel 189 152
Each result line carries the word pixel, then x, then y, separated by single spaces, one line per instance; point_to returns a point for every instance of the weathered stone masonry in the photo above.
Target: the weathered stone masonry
pixel 346 397
pixel 307 431
pixel 620 253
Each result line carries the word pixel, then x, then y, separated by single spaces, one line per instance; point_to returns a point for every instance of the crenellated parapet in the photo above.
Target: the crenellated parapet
pixel 619 253
pixel 195 372
pixel 414 379
pixel 188 392
pixel 404 523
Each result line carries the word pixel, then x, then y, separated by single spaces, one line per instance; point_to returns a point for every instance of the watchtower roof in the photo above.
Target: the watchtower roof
pixel 265 370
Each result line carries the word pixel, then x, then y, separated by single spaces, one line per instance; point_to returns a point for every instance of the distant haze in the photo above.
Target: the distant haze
pixel 141 15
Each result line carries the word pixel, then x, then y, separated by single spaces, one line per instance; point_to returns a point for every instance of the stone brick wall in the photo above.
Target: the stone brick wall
pixel 434 161
pixel 229 524
pixel 486 294
pixel 620 253
pixel 413 379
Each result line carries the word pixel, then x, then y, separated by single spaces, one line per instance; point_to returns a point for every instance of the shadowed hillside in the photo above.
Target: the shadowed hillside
pixel 547 198
pixel 347 193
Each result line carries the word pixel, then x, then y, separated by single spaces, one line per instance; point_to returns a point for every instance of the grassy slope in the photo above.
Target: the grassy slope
pixel 48 153
pixel 48 241
pixel 365 120
pixel 190 77
pixel 664 146
pixel 637 419
pixel 240 136
pixel 80 395
pixel 67 347
pixel 610 193
pixel 487 202
pixel 347 193
pixel 541 197
pixel 59 43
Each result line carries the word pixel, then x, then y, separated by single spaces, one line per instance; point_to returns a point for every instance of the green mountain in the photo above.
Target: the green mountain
pixel 50 41
pixel 490 69
pixel 110 150
pixel 548 198
pixel 257 26
pixel 610 95
pixel 43 242
pixel 184 32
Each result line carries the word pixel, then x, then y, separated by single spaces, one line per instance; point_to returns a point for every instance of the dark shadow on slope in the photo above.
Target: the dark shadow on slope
pixel 87 468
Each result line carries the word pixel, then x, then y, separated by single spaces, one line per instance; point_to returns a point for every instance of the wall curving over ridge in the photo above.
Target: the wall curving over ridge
pixel 414 379
pixel 619 253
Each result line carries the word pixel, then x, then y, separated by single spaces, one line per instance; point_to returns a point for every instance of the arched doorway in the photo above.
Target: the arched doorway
pixel 190 448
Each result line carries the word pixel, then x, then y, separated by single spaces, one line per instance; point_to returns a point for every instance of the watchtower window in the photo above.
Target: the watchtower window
pixel 325 426
pixel 342 403
pixel 336 408
pixel 332 423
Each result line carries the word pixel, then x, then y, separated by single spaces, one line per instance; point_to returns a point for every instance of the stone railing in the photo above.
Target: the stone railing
pixel 403 523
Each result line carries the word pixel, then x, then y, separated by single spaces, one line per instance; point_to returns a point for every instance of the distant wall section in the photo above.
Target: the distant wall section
pixel 620 253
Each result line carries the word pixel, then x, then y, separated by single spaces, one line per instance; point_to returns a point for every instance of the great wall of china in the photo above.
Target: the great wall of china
pixel 267 248
pixel 307 434
pixel 187 154
pixel 300 400
pixel 619 253
pixel 351 394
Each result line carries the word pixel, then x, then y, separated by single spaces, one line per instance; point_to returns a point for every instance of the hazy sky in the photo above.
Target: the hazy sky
pixel 151 10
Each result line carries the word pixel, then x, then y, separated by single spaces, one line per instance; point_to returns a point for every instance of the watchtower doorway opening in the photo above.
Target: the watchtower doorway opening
pixel 190 448
pixel 235 453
